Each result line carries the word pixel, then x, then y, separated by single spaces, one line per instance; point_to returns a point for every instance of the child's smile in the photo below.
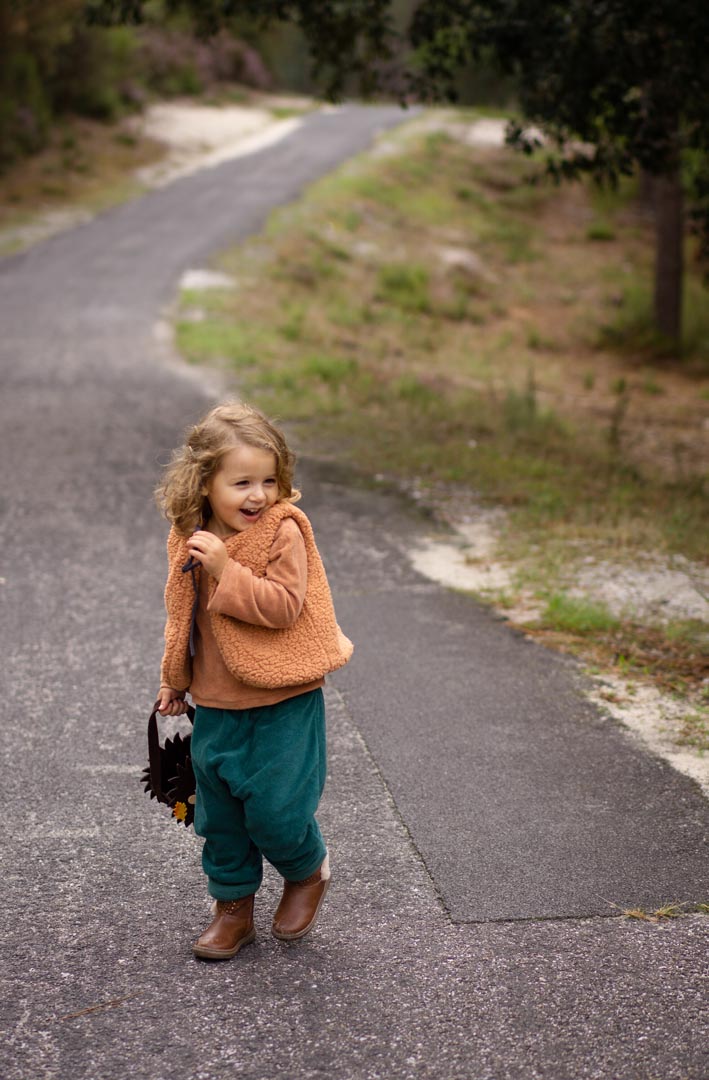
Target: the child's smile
pixel 242 488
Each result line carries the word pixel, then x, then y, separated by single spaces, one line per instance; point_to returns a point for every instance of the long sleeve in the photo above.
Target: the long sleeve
pixel 275 600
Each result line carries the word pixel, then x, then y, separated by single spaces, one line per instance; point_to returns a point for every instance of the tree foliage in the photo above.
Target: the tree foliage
pixel 348 39
pixel 627 77
pixel 613 85
pixel 31 34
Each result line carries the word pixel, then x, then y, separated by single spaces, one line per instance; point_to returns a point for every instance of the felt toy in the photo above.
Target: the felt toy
pixel 169 777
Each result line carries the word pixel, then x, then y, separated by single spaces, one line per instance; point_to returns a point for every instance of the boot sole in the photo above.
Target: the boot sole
pixel 205 953
pixel 301 933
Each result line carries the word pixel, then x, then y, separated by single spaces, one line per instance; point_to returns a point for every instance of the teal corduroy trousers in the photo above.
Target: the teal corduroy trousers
pixel 260 775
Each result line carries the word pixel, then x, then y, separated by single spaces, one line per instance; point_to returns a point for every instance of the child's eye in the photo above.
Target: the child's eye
pixel 270 482
pixel 241 483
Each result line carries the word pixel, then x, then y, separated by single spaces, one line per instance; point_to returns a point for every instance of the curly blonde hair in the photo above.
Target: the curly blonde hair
pixel 180 494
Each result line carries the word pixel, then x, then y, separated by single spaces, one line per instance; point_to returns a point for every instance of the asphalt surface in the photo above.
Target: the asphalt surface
pixel 482 817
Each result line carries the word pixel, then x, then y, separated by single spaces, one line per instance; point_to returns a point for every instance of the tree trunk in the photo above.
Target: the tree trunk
pixel 646 191
pixel 669 238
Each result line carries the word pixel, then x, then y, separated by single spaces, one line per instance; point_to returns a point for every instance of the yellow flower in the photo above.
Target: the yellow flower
pixel 180 811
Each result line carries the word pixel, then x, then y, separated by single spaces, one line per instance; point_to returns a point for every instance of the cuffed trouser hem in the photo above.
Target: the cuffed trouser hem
pixel 304 871
pixel 231 892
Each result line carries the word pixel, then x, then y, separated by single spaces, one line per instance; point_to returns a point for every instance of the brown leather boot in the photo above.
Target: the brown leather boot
pixel 231 927
pixel 300 904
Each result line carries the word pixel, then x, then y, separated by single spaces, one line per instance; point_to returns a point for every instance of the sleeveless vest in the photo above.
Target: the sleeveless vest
pixel 257 655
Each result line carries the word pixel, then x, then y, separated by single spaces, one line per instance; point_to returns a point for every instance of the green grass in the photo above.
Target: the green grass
pixel 331 370
pixel 206 300
pixel 600 231
pixel 404 286
pixel 412 369
pixel 694 731
pixel 211 340
pixel 691 632
pixel 632 329
pixel 576 615
pixel 608 199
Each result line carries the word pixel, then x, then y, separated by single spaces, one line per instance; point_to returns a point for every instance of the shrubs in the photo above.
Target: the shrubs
pixel 98 73
pixel 50 66
pixel 175 62
pixel 24 109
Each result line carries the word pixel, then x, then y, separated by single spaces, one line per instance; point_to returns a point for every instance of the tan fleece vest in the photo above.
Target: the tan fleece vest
pixel 257 655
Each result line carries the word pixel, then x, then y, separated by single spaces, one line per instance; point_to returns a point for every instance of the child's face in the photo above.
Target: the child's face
pixel 242 488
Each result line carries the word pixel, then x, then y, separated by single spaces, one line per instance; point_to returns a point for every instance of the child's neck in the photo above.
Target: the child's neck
pixel 212 528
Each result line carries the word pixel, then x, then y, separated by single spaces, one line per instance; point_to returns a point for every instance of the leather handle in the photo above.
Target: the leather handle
pixel 154 757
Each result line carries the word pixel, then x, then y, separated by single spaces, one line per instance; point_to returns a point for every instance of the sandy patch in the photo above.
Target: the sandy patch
pixel 487 132
pixel 200 136
pixel 655 589
pixel 202 278
pixel 466 562
pixel 654 718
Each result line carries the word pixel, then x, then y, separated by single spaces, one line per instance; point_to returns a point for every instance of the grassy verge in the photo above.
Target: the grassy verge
pixel 428 316
pixel 87 167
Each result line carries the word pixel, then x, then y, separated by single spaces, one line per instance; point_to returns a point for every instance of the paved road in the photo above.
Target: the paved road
pixel 481 815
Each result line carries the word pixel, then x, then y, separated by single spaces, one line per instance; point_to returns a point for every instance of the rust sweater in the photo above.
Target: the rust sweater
pixel 274 600
pixel 293 642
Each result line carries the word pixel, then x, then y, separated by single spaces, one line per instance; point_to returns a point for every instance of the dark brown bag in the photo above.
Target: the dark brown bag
pixel 169 776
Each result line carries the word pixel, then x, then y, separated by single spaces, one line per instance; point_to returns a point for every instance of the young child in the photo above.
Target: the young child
pixel 251 633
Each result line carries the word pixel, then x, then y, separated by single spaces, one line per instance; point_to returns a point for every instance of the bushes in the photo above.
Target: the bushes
pixel 175 62
pixel 31 32
pixel 24 108
pixel 52 62
pixel 98 73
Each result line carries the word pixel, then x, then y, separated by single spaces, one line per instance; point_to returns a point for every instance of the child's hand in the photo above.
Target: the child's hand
pixel 209 550
pixel 171 702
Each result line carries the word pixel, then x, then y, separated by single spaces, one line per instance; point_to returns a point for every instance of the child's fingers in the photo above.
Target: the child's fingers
pixel 203 541
pixel 169 705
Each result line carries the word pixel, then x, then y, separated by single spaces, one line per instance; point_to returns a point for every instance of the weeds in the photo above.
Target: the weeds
pixel 633 330
pixel 620 408
pixel 87 164
pixel 577 615
pixel 212 339
pixel 665 912
pixel 694 731
pixel 404 286
pixel 600 231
